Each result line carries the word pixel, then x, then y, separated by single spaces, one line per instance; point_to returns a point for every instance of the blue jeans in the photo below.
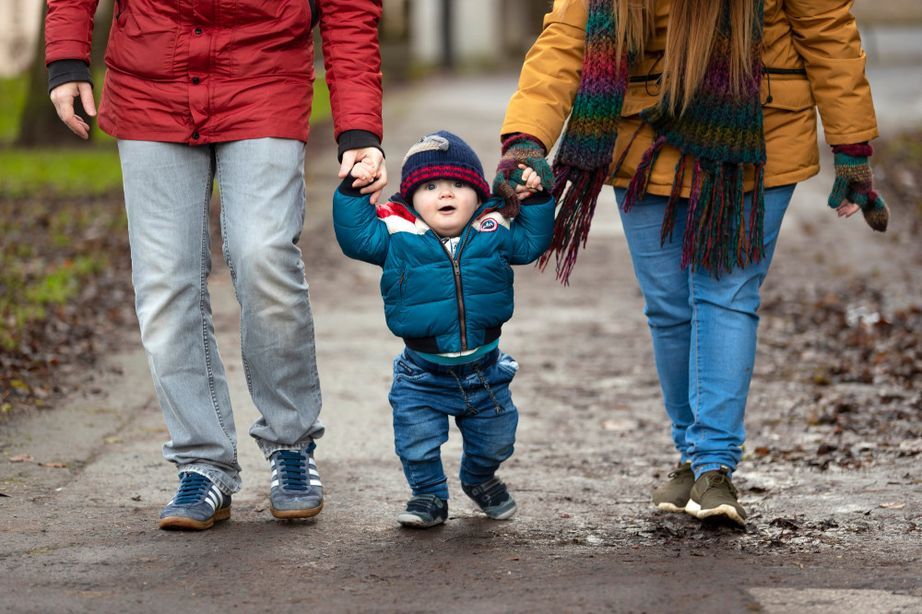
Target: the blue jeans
pixel 704 330
pixel 425 394
pixel 167 190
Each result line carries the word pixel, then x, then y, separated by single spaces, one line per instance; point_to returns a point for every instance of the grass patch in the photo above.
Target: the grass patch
pixel 50 254
pixel 320 107
pixel 69 173
pixel 12 99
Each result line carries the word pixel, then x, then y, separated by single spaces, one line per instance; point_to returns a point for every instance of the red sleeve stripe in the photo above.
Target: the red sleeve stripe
pixel 392 208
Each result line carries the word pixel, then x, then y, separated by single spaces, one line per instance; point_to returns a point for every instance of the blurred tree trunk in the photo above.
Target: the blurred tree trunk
pixel 39 124
pixel 101 35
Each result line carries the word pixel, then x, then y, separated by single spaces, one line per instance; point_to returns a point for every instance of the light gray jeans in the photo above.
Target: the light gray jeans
pixel 167 190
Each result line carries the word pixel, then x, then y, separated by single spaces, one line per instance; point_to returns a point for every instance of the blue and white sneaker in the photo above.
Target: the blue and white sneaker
pixel 197 505
pixel 493 498
pixel 424 511
pixel 296 491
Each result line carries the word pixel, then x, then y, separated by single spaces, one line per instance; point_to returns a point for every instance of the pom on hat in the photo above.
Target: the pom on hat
pixel 442 155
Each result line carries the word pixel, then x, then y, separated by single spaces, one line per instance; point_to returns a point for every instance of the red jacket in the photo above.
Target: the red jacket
pixel 204 71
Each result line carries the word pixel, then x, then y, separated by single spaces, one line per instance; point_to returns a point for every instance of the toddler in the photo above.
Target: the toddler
pixel 446 248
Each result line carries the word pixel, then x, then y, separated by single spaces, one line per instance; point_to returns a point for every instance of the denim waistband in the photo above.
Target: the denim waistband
pixel 460 370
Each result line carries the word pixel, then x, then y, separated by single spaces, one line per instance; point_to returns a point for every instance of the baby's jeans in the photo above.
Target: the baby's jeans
pixel 425 394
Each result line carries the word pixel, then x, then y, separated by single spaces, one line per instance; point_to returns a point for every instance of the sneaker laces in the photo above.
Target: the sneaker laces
pixel 718 480
pixel 192 488
pixel 292 469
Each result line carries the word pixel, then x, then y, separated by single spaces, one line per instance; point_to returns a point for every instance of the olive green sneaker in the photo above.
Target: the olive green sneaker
pixel 714 496
pixel 673 495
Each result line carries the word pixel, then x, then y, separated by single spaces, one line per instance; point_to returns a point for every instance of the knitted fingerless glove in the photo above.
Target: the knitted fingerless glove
pixel 855 182
pixel 518 149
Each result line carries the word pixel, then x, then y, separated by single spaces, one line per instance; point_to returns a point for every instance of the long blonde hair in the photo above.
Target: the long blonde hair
pixel 690 38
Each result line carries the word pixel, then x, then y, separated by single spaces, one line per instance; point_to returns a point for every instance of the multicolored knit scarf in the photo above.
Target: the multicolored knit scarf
pixel 718 135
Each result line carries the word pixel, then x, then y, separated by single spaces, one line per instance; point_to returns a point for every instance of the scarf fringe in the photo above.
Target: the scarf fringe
pixel 637 189
pixel 574 216
pixel 675 196
pixel 717 236
pixel 757 216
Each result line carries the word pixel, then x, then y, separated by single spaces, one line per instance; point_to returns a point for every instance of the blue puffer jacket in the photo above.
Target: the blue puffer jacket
pixel 436 302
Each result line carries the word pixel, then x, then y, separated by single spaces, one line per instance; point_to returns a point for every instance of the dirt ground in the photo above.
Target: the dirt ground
pixel 830 476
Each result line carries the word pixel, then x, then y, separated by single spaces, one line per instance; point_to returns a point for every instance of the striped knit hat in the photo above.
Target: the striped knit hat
pixel 442 155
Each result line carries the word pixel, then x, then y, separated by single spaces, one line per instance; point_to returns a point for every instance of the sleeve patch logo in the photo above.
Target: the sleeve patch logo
pixel 488 225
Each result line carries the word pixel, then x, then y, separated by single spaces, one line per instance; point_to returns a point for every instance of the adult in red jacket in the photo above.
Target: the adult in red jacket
pixel 221 89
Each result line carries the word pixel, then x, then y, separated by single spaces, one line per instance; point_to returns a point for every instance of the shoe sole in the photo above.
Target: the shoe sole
pixel 415 522
pixel 289 514
pixel 181 523
pixel 506 515
pixel 670 507
pixel 724 510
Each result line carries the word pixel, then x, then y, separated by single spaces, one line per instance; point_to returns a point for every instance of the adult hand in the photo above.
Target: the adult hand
pixel 847 209
pixel 518 152
pixel 853 188
pixel 63 99
pixel 373 177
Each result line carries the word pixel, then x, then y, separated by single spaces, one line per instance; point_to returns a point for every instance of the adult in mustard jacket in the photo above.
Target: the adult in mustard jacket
pixel 701 115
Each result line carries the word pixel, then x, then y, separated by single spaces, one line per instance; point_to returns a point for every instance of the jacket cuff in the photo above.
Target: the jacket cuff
pixel 855 150
pixel 538 198
pixel 508 140
pixel 346 187
pixel 357 139
pixel 65 71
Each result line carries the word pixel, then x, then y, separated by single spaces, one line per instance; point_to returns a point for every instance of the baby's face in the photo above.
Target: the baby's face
pixel 445 205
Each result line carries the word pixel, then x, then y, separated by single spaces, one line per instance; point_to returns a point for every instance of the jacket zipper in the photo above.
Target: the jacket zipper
pixel 456 268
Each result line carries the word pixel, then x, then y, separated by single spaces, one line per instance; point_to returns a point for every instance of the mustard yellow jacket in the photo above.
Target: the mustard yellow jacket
pixel 820 36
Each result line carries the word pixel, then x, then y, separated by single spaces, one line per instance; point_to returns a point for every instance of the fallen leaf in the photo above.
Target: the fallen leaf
pixel 893 505
pixel 785 523
pixel 618 425
pixel 18 384
pixel 21 458
pixel 112 439
pixel 136 498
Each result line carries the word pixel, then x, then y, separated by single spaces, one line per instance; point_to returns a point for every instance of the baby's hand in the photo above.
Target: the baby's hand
pixel 363 171
pixel 531 183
